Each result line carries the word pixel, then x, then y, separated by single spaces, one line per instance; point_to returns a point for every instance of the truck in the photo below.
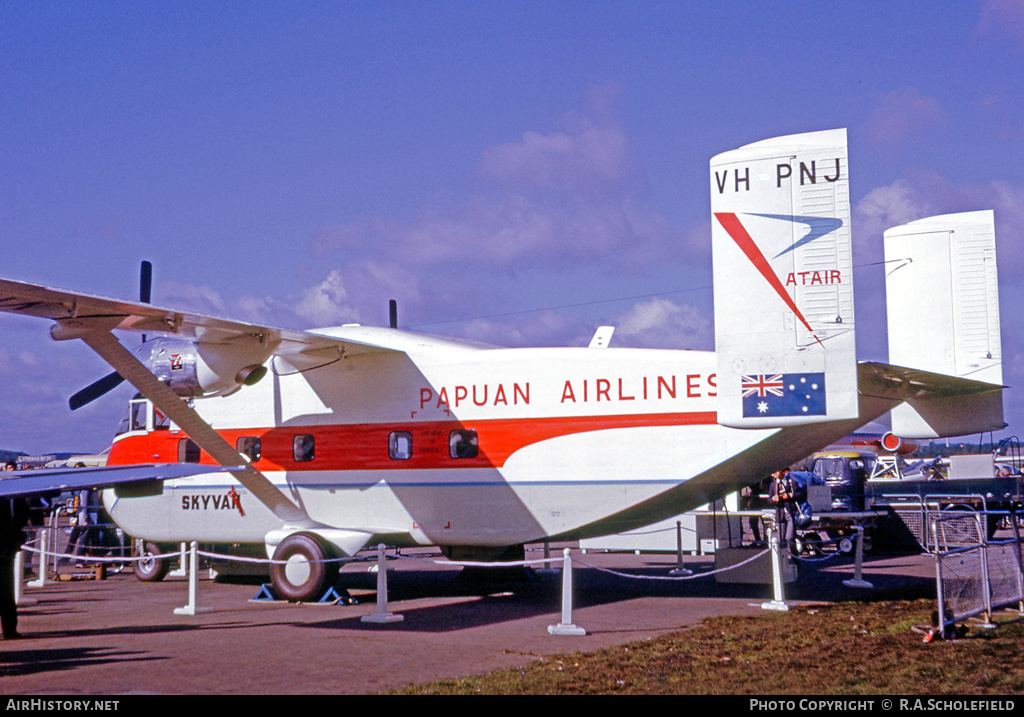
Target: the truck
pixel 892 485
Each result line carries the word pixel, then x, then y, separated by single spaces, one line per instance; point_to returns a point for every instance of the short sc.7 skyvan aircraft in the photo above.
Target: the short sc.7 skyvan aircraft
pixel 334 439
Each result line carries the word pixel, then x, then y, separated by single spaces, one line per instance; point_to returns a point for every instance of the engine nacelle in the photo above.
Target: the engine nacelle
pixel 196 370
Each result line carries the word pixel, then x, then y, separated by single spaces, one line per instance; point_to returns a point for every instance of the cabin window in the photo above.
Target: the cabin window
pixel 303 448
pixel 463 444
pixel 188 451
pixel 400 445
pixel 249 446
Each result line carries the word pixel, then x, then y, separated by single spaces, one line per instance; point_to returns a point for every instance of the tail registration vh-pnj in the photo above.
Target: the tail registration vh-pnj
pixel 317 443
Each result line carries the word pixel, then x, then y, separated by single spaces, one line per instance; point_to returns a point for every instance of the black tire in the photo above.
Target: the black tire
pixel 813 543
pixel 991 525
pixel 303 576
pixel 150 569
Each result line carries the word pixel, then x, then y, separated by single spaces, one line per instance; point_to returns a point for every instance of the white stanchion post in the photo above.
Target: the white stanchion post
pixel 858 562
pixel 679 569
pixel 193 578
pixel 44 544
pixel 779 603
pixel 181 571
pixel 382 615
pixel 548 569
pixel 566 627
pixel 19 578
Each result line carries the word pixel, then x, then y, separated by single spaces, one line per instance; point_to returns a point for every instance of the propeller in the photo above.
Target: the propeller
pixel 112 380
pixel 94 390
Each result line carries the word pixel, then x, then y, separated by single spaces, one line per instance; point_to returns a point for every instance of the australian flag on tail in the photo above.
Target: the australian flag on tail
pixel 783 394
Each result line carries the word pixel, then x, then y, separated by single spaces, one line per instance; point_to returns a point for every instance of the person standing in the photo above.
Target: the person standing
pixel 783 497
pixel 13 517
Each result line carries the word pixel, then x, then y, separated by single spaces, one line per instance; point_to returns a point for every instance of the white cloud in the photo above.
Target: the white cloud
pixel 565 196
pixel 886 207
pixel 1002 19
pixel 660 323
pixel 587 157
pixel 927 195
pixel 201 299
pixel 326 304
pixel 900 116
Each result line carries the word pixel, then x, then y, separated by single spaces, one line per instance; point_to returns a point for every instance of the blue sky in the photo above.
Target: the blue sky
pixel 517 173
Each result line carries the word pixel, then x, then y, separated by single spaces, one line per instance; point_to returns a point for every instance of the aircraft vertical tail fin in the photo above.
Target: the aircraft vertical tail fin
pixel 784 328
pixel 942 298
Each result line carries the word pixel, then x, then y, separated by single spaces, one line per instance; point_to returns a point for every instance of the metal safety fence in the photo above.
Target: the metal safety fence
pixel 944 522
pixel 974 576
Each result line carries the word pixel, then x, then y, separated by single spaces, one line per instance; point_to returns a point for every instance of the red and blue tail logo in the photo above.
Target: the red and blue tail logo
pixel 819 227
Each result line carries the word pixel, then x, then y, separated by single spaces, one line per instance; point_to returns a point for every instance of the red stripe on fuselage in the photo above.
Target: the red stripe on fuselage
pixel 365 446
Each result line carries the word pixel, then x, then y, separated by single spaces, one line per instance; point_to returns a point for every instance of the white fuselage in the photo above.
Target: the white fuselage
pixel 569 442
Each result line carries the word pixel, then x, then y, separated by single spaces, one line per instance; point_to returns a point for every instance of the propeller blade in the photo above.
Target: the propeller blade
pixel 146 282
pixel 145 286
pixel 113 380
pixel 95 390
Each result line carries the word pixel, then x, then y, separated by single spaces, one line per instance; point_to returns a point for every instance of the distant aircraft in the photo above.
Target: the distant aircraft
pixel 337 438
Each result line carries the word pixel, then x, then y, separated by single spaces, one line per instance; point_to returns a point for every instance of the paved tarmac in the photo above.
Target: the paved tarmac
pixel 119 636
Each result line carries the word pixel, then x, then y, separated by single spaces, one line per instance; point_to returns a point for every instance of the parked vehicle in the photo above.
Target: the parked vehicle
pixel 862 480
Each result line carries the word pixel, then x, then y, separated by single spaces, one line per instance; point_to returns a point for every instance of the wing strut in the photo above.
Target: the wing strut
pixel 100 340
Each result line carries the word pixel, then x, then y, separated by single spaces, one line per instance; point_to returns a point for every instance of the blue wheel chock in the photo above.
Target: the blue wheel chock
pixel 266 594
pixel 331 597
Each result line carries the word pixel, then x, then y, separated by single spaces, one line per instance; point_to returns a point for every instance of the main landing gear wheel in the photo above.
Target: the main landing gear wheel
pixel 299 573
pixel 148 568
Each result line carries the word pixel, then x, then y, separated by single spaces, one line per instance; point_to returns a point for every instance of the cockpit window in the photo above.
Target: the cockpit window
pixel 135 417
pixel 160 421
pixel 138 415
pixel 122 427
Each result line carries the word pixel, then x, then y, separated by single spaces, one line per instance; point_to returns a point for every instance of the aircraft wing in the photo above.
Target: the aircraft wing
pixel 93 318
pixel 56 480
pixel 115 314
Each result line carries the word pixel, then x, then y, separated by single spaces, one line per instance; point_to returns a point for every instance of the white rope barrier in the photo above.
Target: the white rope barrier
pixel 675 578
pixel 382 615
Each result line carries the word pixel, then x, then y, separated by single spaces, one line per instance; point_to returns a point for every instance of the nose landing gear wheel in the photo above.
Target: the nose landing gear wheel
pixel 150 569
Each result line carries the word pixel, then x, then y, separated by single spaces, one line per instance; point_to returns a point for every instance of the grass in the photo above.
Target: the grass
pixel 846 649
